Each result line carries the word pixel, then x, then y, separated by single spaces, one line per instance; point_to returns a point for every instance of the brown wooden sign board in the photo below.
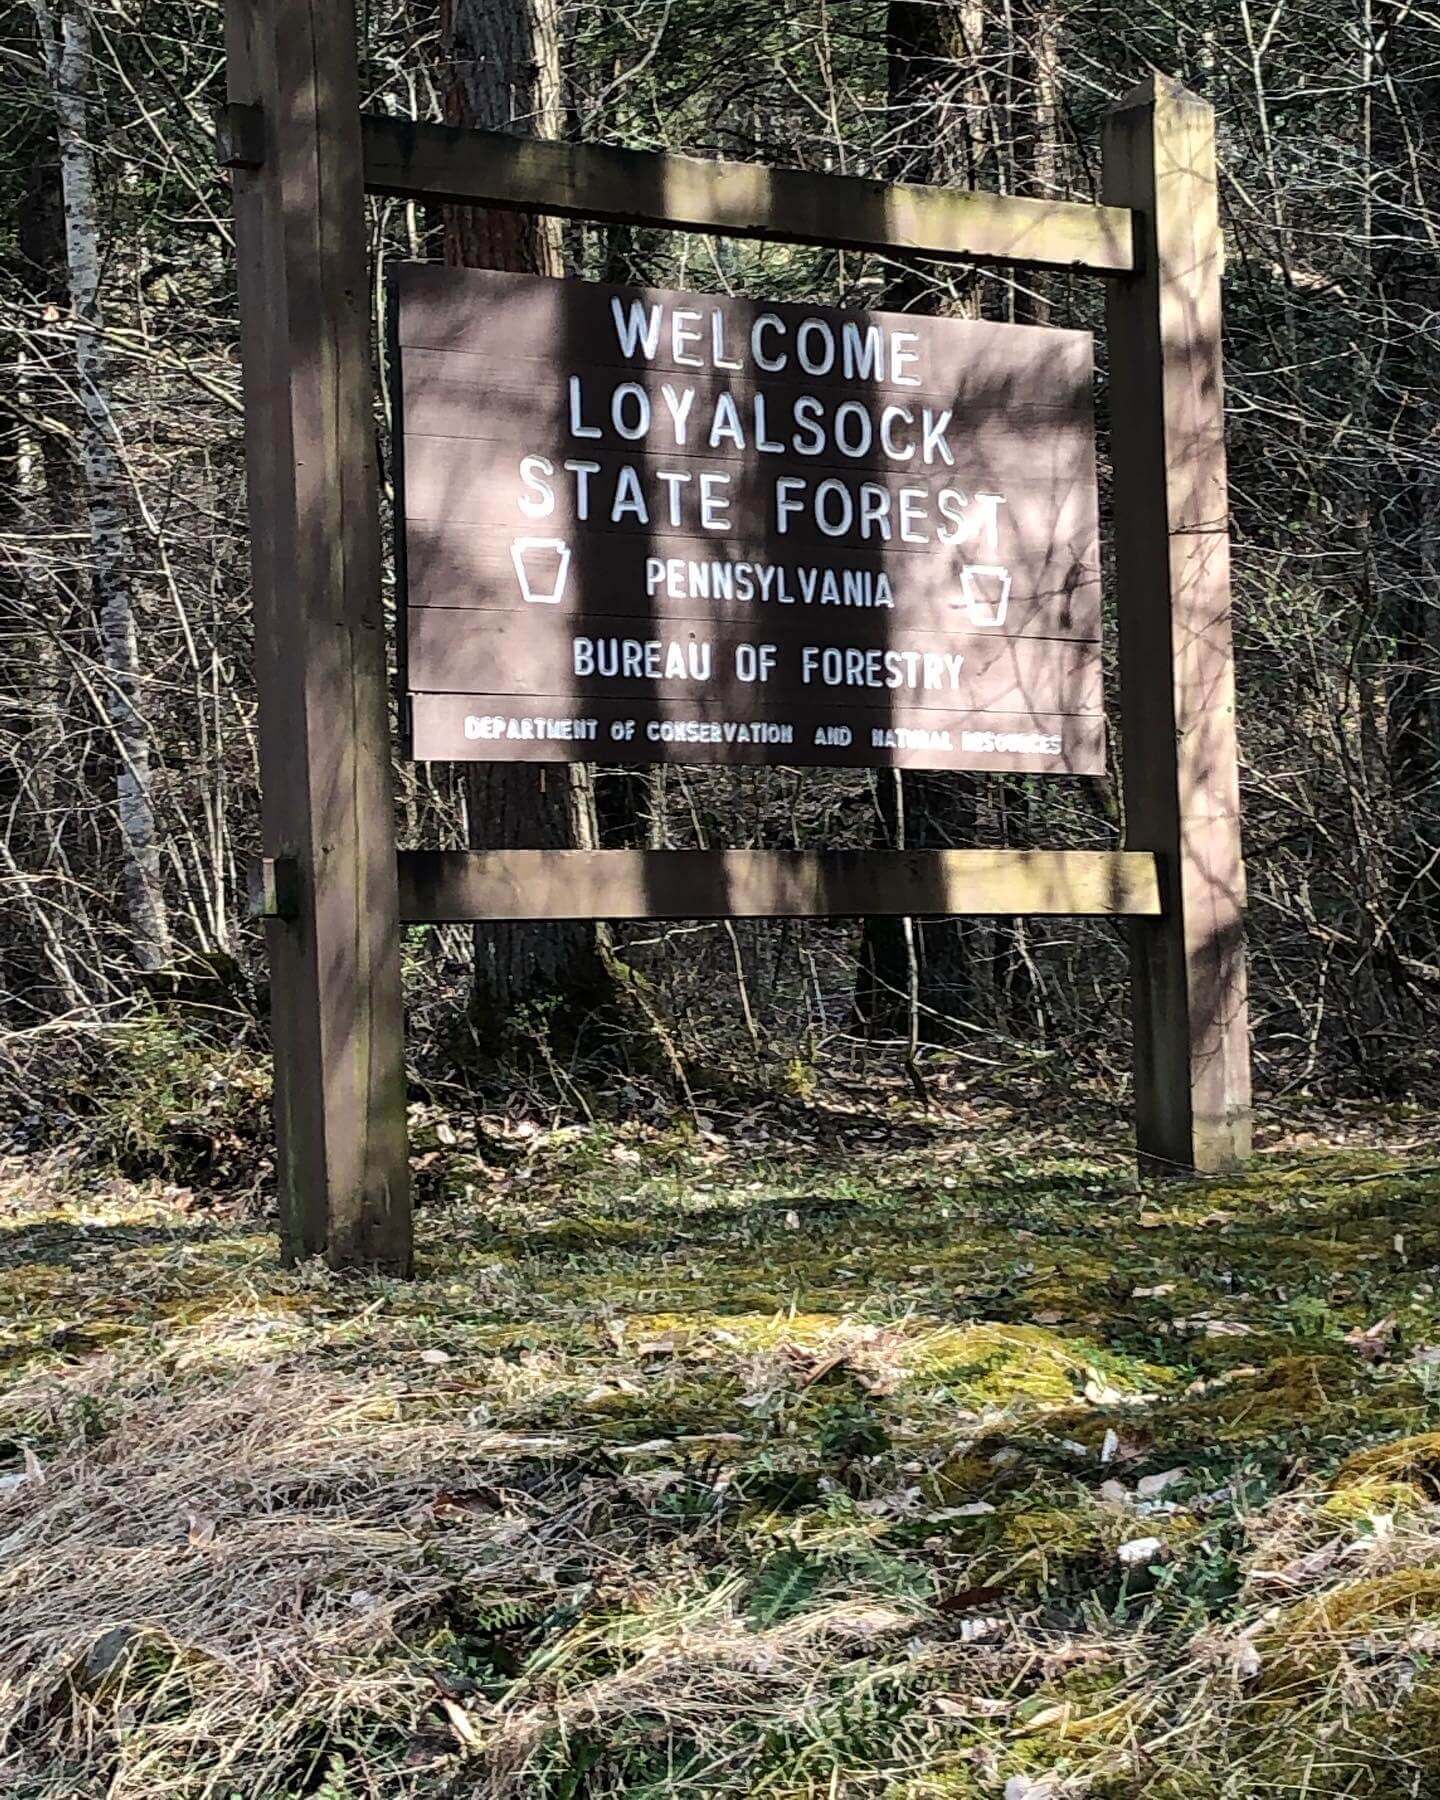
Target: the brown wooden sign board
pixel 649 526
pixel 482 389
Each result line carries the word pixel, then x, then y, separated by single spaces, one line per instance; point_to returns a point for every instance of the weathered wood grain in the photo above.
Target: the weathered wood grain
pixel 1182 801
pixel 745 200
pixel 320 646
pixel 577 459
pixel 506 653
pixel 498 728
pixel 459 885
pixel 470 568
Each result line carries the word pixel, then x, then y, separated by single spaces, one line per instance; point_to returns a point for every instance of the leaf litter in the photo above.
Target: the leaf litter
pixel 640 1489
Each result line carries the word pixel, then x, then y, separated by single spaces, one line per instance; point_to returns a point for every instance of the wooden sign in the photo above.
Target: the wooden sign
pixel 646 526
pixel 891 540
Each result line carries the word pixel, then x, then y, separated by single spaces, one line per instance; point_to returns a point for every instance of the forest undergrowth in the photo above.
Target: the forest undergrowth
pixel 799 1452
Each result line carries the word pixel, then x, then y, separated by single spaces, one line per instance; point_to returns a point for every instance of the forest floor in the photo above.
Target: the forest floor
pixel 816 1456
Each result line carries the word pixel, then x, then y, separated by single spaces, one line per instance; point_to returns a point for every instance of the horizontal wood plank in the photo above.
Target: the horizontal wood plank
pixel 493 728
pixel 745 200
pixel 863 668
pixel 456 886
pixel 1056 582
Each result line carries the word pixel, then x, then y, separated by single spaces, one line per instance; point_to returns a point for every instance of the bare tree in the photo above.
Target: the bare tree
pixel 68 58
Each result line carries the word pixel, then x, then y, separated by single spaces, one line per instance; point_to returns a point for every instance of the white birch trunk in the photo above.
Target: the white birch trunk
pixel 69 60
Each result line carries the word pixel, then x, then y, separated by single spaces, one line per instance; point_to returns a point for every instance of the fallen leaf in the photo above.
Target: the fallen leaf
pixel 460 1723
pixel 612 1390
pixel 461 1503
pixel 976 1706
pixel 199 1531
pixel 1303 1569
pixel 1025 1787
pixel 823 1367
pixel 970 1599
pixel 1371 1340
pixel 1247 1660
pixel 1140 1550
pixel 32 1475
pixel 1149 1486
pixel 1056 1713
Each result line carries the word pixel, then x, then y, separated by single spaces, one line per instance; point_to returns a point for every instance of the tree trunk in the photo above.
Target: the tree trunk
pixel 936 124
pixel 1405 508
pixel 71 72
pixel 503 72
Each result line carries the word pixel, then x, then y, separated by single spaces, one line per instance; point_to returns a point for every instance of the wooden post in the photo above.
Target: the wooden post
pixel 1192 1053
pixel 320 644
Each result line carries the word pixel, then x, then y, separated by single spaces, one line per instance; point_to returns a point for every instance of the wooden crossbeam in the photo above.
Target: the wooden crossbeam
pixel 746 200
pixel 456 886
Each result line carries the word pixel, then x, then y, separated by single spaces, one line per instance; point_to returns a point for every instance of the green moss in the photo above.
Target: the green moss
pixel 1310 1635
pixel 993 1341
pixel 1414 1461
pixel 1000 1365
pixel 1370 1495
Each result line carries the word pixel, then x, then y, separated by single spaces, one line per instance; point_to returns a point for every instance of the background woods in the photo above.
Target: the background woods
pixel 127 753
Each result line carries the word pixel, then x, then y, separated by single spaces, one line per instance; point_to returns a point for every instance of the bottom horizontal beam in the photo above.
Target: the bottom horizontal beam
pixel 456 886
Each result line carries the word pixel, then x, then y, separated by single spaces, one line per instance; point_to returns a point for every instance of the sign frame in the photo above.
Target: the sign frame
pixel 334 891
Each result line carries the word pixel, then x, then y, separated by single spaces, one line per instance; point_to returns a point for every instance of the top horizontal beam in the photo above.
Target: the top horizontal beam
pixel 451 164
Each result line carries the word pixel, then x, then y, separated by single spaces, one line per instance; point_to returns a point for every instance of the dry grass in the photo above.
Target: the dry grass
pixel 754 1465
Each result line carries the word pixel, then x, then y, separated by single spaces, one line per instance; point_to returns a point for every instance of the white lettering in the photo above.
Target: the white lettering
pixel 582 471
pixel 629 497
pixel 678 406
pixel 834 524
pixel 809 420
pixel 578 427
pixel 785 504
pixel 767 322
pixel 672 480
pixel 901 357
pixel 717 342
pixel 811 362
pixel 726 423
pixel 888 443
pixel 637 330
pixel 854 432
pixel 639 427
pixel 533 469
pixel 686 333
pixel 863 350
pixel 714 505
